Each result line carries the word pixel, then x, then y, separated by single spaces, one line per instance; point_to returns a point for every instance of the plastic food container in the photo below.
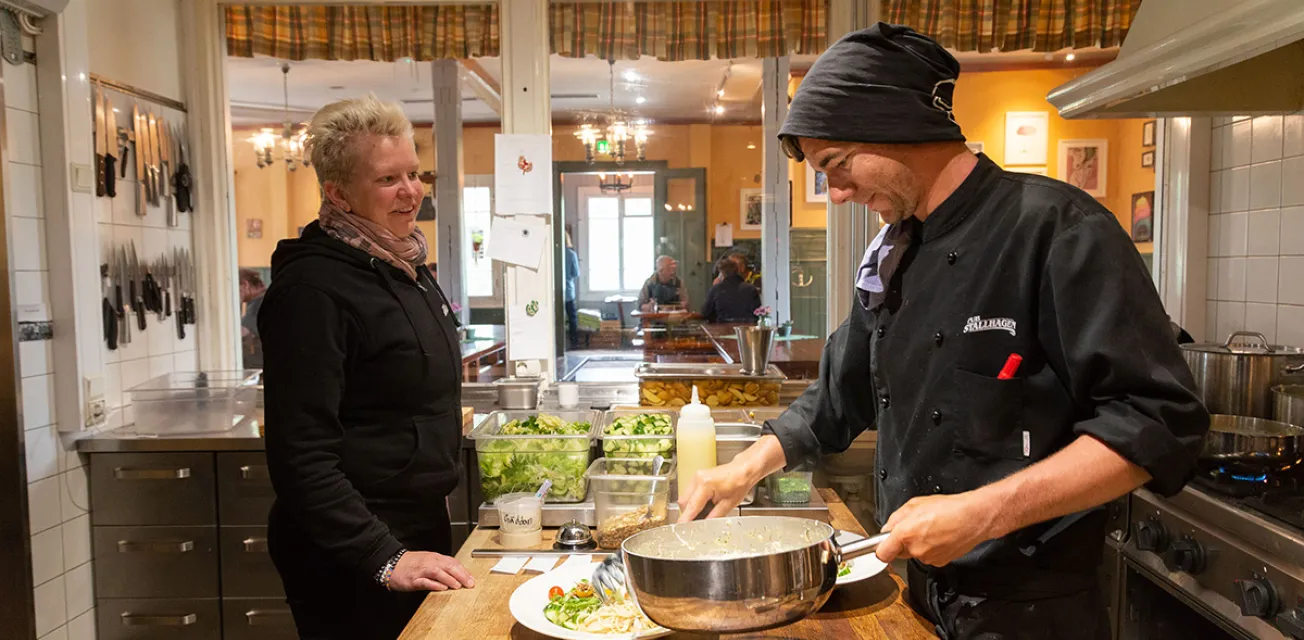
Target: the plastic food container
pixel 637 446
pixel 791 487
pixel 718 385
pixel 627 498
pixel 195 401
pixel 731 438
pixel 521 519
pixel 511 463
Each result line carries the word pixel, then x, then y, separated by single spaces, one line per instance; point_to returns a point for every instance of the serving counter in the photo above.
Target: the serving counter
pixel 874 608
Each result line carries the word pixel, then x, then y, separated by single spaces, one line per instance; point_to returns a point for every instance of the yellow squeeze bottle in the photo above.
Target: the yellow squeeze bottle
pixel 694 442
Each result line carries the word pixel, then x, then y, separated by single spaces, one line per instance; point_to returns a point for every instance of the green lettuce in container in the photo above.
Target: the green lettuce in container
pixel 517 451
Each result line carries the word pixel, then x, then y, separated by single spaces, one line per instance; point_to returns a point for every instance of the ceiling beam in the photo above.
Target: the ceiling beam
pixel 482 85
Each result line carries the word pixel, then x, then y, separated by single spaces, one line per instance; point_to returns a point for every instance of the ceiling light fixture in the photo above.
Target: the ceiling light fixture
pixel 289 145
pixel 630 75
pixel 611 140
pixel 640 100
pixel 719 109
pixel 1070 57
pixel 615 183
pixel 751 146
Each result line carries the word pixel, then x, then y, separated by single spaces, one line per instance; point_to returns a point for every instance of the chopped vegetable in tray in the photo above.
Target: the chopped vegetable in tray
pixel 509 465
pixel 844 569
pixel 643 424
pixel 544 425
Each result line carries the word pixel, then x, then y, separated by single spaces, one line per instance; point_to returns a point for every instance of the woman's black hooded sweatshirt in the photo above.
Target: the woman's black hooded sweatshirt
pixel 362 375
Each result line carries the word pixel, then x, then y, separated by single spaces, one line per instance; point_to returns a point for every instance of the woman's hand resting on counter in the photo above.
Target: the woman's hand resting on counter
pixel 428 571
pixel 726 485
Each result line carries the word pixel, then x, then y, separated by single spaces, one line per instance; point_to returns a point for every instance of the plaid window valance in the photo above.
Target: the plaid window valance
pixel 689 30
pixel 386 34
pixel 1013 25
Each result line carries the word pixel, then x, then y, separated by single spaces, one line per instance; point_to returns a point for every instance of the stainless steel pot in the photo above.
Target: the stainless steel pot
pixel 1252 441
pixel 750 589
pixel 1237 377
pixel 1288 404
pixel 518 393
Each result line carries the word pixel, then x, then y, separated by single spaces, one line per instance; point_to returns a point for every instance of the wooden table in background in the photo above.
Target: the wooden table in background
pixel 871 609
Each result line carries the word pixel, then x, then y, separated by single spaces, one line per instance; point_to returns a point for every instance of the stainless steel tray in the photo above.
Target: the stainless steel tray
pixel 679 371
pixel 555 515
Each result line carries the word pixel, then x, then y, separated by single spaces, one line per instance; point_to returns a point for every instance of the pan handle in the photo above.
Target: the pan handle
pixel 1292 369
pixel 1263 340
pixel 864 547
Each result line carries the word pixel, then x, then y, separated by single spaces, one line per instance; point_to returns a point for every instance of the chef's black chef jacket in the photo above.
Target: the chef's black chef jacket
pixel 1019 264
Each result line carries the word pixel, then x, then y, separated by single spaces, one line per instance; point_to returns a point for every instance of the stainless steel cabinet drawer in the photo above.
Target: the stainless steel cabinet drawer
pixel 244 490
pixel 155 562
pixel 247 569
pixel 257 619
pixel 150 619
pixel 153 489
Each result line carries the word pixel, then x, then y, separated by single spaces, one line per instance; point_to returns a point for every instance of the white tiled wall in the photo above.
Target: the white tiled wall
pixel 56 491
pixel 1256 228
pixel 158 351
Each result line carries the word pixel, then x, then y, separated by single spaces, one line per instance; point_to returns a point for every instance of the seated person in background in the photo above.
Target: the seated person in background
pixel 744 269
pixel 251 295
pixel 664 287
pixel 732 299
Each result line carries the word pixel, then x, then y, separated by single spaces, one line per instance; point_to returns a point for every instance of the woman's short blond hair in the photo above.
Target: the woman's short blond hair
pixel 336 126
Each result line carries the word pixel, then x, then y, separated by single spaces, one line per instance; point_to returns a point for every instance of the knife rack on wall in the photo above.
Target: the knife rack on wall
pixel 152 131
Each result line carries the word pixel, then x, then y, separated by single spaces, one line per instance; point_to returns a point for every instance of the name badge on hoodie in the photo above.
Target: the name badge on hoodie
pixel 881 260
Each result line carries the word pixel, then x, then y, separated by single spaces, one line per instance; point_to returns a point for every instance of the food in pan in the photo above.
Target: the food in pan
pixel 714 393
pixel 633 436
pixel 509 465
pixel 544 425
pixel 614 530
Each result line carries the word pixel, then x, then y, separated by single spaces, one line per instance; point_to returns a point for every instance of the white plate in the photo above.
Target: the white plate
pixel 863 567
pixel 528 600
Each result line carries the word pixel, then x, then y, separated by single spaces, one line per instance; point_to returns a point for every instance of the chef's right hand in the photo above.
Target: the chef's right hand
pixel 428 571
pixel 727 484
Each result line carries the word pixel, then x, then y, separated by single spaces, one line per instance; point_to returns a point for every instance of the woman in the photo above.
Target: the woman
pixel 731 299
pixel 363 389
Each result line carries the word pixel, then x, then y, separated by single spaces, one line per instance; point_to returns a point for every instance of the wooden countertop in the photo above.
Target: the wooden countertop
pixel 873 608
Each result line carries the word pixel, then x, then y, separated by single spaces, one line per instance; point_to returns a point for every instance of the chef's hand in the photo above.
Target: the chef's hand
pixel 428 571
pixel 727 484
pixel 937 530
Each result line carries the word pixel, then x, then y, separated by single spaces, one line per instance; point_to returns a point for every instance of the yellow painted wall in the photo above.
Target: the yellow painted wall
pixel 981 101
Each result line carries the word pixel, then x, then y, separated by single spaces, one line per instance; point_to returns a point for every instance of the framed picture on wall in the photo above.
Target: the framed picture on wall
pixel 817 185
pixel 1085 165
pixel 1143 228
pixel 1148 134
pixel 1147 159
pixel 750 209
pixel 254 228
pixel 1026 137
pixel 976 147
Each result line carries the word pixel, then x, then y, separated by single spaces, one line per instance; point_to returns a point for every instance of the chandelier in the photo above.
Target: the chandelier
pixel 289 143
pixel 615 183
pixel 613 140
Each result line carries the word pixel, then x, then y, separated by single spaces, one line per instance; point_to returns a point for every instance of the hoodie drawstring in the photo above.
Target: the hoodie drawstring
pixel 389 286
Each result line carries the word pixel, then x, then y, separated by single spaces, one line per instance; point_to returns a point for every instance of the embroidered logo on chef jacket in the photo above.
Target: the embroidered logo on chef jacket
pixel 978 324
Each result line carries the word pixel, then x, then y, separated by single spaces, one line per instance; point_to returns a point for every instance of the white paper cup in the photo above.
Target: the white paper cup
pixel 568 394
pixel 519 513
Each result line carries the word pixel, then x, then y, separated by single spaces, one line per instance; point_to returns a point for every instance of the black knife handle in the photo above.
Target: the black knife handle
pixel 167 302
pixel 117 299
pixel 99 176
pixel 110 177
pixel 140 314
pixel 110 325
pixel 181 320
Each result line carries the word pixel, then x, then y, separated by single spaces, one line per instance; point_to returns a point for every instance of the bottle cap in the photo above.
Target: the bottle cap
pixel 695 410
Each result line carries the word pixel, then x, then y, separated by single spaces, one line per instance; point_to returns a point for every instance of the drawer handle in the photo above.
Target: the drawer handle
pixel 165 546
pixel 266 617
pixel 125 473
pixel 136 620
pixel 254 472
pixel 255 545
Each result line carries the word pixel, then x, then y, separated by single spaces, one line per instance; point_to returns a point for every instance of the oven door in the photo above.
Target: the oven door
pixel 1154 611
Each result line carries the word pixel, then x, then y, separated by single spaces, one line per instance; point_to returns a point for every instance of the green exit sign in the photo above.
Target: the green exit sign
pixel 603 146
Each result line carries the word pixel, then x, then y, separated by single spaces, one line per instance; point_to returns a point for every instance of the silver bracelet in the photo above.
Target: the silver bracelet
pixel 387 571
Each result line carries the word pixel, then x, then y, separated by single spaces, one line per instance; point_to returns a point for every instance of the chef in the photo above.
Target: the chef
pixel 1006 343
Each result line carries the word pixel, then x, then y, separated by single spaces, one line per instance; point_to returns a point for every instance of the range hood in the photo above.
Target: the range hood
pixel 1198 58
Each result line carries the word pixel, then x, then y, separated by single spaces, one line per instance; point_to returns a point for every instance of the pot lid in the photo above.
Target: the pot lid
pixel 1250 343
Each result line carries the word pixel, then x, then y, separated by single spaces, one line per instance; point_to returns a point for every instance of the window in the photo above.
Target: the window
pixel 479 273
pixel 618 266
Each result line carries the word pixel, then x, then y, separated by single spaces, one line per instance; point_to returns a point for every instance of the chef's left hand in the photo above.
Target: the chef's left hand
pixel 937 530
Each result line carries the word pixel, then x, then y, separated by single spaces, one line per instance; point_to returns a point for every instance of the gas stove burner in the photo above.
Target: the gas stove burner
pixel 1278 493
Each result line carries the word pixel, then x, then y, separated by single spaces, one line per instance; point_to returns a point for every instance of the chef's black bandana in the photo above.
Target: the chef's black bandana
pixel 886 84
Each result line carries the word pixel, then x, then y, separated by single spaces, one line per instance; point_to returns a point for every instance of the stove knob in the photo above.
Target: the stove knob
pixel 1151 536
pixel 1291 623
pixel 1258 598
pixel 1188 555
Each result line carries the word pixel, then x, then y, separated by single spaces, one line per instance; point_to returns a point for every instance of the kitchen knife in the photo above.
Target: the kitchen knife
pixel 101 143
pixel 126 138
pixel 169 165
pixel 169 282
pixel 111 158
pixel 151 129
pixel 181 295
pixel 109 313
pixel 182 181
pixel 124 301
pixel 139 144
pixel 137 288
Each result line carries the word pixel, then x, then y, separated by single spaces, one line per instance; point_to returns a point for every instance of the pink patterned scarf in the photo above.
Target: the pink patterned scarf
pixel 362 234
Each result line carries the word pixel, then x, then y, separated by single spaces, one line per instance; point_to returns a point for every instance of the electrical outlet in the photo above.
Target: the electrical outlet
pixel 97 412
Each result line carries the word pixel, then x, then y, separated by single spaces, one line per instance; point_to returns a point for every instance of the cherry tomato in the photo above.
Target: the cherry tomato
pixel 555 592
